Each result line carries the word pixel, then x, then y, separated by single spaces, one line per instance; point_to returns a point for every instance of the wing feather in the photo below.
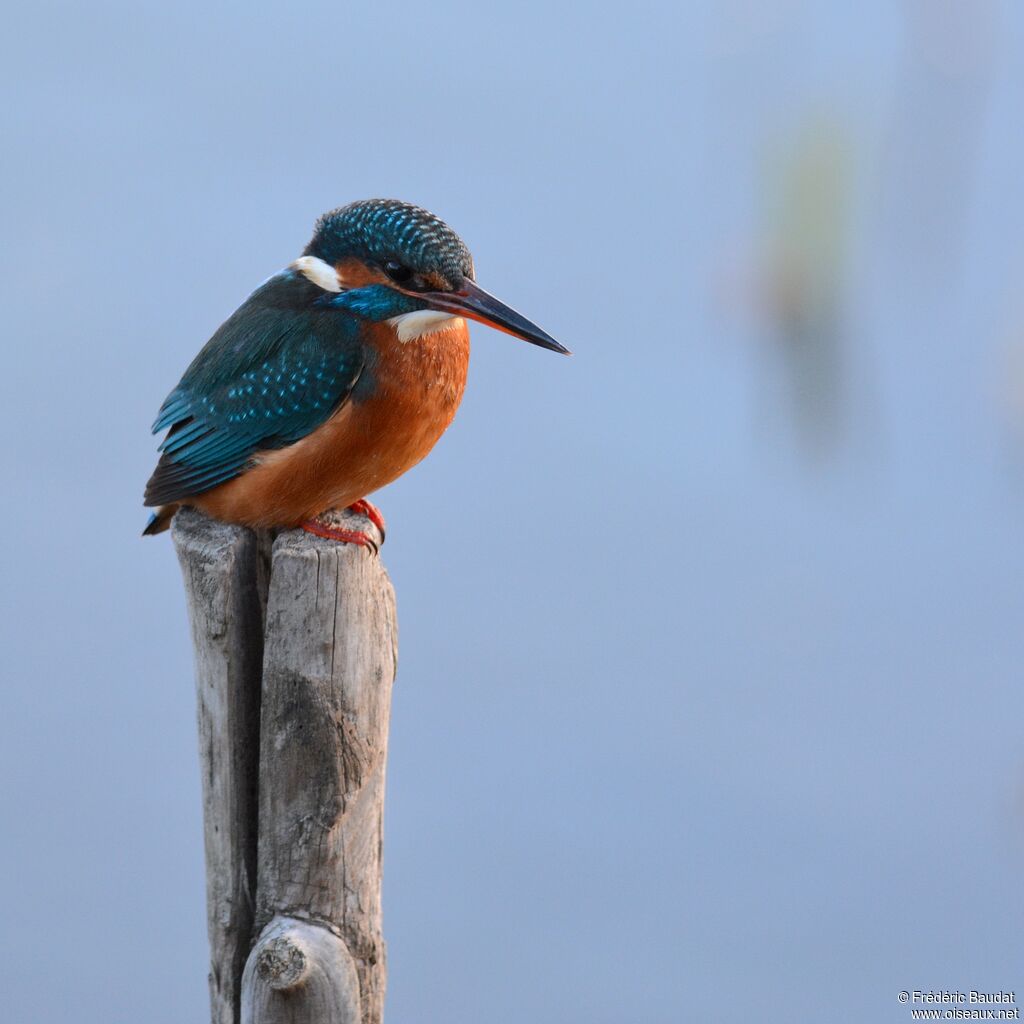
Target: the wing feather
pixel 272 373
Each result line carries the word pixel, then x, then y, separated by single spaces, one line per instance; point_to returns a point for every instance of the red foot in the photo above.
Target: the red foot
pixel 337 533
pixel 362 507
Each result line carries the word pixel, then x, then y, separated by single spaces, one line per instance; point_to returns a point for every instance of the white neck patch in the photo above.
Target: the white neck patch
pixel 410 326
pixel 321 273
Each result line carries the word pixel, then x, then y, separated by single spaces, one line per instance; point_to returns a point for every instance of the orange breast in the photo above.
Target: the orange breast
pixel 365 445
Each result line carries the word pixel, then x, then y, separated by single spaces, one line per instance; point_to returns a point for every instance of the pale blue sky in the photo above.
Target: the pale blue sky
pixel 709 695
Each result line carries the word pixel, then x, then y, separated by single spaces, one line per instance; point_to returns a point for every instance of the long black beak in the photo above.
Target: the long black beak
pixel 472 301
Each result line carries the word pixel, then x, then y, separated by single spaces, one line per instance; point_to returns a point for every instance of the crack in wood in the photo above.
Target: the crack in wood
pixel 294 669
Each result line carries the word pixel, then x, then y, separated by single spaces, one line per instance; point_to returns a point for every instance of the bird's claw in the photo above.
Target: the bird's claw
pixel 328 525
pixel 340 535
pixel 362 507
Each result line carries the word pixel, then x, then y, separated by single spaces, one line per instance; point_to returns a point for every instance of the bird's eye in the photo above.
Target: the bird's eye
pixel 398 272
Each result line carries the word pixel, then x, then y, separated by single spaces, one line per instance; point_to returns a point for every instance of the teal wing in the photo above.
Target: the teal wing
pixel 273 372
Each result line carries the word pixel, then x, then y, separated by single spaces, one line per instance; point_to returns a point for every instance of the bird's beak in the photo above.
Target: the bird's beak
pixel 472 301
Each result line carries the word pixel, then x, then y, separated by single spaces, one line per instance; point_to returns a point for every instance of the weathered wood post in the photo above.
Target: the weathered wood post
pixel 296 649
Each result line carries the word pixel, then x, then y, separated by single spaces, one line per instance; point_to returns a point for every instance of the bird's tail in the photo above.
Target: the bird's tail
pixel 159 520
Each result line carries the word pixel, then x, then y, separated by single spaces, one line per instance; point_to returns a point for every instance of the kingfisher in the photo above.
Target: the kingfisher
pixel 336 376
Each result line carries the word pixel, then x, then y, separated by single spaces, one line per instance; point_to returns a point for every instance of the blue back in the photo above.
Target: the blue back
pixel 272 373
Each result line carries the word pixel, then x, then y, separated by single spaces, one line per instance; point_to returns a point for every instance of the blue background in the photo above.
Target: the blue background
pixel 709 700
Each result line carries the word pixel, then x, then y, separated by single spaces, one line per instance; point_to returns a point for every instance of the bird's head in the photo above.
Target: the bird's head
pixel 394 261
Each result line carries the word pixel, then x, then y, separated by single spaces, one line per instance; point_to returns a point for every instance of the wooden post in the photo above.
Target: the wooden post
pixel 219 564
pixel 295 659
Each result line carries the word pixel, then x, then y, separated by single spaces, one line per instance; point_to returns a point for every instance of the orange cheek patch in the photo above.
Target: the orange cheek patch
pixel 436 281
pixel 353 273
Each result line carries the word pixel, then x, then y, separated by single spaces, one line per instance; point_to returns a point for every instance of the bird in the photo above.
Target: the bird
pixel 333 378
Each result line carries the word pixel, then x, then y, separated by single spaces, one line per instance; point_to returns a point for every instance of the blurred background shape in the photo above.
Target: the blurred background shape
pixel 805 268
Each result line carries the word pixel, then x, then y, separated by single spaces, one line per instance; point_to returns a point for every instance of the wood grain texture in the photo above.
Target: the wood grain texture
pixel 300 973
pixel 219 564
pixel 329 664
pixel 296 652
